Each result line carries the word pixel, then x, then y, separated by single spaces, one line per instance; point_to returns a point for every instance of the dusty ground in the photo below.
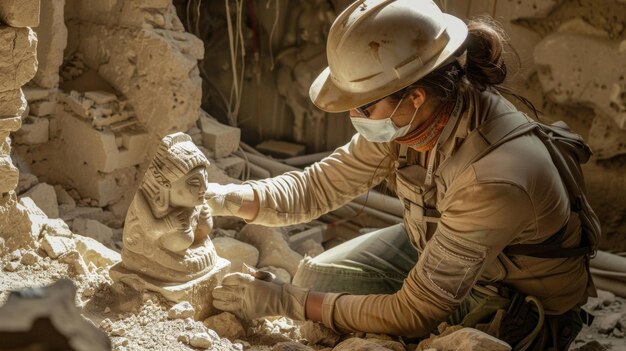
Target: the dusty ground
pixel 150 328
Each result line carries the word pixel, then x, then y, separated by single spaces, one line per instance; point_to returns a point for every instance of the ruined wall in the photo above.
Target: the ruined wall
pixel 18 64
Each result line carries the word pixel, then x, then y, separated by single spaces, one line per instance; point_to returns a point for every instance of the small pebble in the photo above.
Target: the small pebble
pixel 11 266
pixel 107 310
pixel 202 340
pixel 181 310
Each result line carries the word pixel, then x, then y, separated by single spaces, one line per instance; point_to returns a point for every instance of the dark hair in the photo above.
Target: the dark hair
pixel 483 67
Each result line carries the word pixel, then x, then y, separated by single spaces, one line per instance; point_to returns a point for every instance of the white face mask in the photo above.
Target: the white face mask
pixel 381 130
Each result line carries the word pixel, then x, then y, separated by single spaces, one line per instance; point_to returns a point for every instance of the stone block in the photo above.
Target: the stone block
pixel 560 54
pixel 55 246
pixel 12 103
pixel 22 13
pixel 57 227
pixel 35 130
pixel 21 222
pixel 10 124
pixel 93 252
pixel 220 139
pixel 93 229
pixel 197 292
pixel 233 166
pixel 99 149
pixel 26 181
pixel 52 34
pixel 226 325
pixel 42 108
pixel 18 49
pixel 100 97
pixel 45 197
pixel 165 97
pixel 64 198
pixel 236 252
pixel 80 211
pixel 34 93
pixel 9 174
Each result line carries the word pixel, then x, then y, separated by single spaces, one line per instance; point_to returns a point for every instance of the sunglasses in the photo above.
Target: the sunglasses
pixel 363 109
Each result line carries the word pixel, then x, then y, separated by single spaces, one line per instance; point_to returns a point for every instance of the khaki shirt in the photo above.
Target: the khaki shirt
pixel 512 195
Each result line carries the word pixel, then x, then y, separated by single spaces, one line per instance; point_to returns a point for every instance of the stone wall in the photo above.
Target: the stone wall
pixel 18 64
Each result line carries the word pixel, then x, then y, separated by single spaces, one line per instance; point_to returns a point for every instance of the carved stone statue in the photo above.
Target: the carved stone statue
pixel 166 234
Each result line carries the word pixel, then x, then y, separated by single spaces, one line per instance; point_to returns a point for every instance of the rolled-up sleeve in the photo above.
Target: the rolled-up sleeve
pixel 478 221
pixel 298 197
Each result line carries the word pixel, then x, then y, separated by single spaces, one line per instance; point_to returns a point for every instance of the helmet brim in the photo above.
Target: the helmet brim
pixel 328 97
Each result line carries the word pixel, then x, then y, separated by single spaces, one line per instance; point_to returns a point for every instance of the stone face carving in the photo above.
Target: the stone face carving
pixel 166 235
pixel 167 225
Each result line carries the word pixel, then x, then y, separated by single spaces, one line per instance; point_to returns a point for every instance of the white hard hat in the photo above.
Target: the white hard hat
pixel 377 47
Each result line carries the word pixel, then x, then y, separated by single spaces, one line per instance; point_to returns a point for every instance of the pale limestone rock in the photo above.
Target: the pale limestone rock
pixel 291 346
pixel 35 130
pixel 55 246
pixel 18 48
pixel 605 138
pixel 52 34
pixel 9 174
pixel 74 260
pixel 45 197
pixel 15 255
pixel 22 13
pixel 236 252
pixel 359 344
pixel 80 211
pixel 220 139
pixel 11 266
pixel 93 229
pixel 124 57
pixel 226 325
pixel 26 181
pixel 201 340
pixel 464 339
pixel 94 252
pixel 273 248
pixel 42 108
pixel 100 97
pixel 181 310
pixel 64 198
pixel 310 247
pixel 317 333
pixel 12 103
pixel 34 93
pixel 600 89
pixel 30 258
pixel 280 273
pixel 56 227
pixel 10 124
pixel 607 323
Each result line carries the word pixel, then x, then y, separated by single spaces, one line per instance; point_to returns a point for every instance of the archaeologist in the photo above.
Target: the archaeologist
pixel 416 83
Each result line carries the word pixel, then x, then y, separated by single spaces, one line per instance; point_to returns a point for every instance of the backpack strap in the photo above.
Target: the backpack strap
pixel 484 139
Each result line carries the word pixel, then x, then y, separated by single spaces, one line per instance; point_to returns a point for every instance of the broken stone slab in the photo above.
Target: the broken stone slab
pixel 100 96
pixel 48 316
pixel 45 197
pixel 35 130
pixel 174 97
pixel 22 13
pixel 226 325
pixel 64 198
pixel 35 93
pixel 237 252
pixel 197 291
pixel 93 229
pixel 55 246
pixel 317 333
pixel 21 222
pixel 75 261
pixel 12 103
pixel 52 35
pixel 600 89
pixel 9 174
pixel 18 48
pixel 273 248
pixel 30 258
pixel 94 252
pixel 56 227
pixel 464 339
pixel 220 139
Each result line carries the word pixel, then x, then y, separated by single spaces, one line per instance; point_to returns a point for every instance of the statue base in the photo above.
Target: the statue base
pixel 197 291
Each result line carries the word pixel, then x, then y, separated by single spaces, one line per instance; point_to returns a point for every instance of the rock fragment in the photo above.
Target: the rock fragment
pixel 55 246
pixel 317 333
pixel 181 310
pixel 225 325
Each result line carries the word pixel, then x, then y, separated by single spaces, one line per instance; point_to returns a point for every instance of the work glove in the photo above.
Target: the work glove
pixel 226 200
pixel 259 294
